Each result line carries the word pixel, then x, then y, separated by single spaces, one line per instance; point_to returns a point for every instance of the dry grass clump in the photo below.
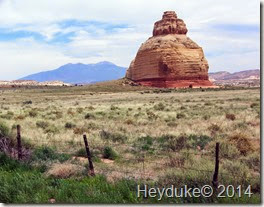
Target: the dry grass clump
pixel 242 142
pixel 172 124
pixel 214 128
pixel 70 112
pixel 176 161
pixel 253 161
pixel 80 130
pixel 175 143
pixel 9 115
pixel 115 137
pixel 64 170
pixel 253 105
pixel 229 151
pixel 90 108
pixel 47 127
pixel 33 113
pixel 79 110
pixel 129 122
pixel 234 167
pixel 231 117
pixel 20 117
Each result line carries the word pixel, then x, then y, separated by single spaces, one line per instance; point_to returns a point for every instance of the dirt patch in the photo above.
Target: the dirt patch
pixel 81 159
pixel 107 161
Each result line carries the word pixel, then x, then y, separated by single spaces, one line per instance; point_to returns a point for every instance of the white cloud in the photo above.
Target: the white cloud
pixel 92 44
pixel 138 11
pixel 242 62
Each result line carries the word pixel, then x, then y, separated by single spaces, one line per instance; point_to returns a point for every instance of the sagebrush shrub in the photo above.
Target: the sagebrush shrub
pixel 159 107
pixel 145 143
pixel 129 122
pixel 42 124
pixel 46 153
pixel 115 137
pixel 9 115
pixel 151 115
pixel 228 150
pixel 4 130
pixel 27 102
pixel 109 153
pixel 180 115
pixel 69 125
pixel 79 110
pixel 253 105
pixel 199 140
pixel 89 116
pixel 174 143
pixel 52 129
pixel 112 107
pixel 81 152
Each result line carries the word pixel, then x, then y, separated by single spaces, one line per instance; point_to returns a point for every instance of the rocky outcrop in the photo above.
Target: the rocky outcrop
pixel 169 24
pixel 170 58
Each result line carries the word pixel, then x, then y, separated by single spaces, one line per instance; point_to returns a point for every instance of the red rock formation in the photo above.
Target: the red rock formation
pixel 169 24
pixel 170 58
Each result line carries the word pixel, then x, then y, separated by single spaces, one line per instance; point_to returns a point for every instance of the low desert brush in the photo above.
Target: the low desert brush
pixel 242 142
pixel 64 170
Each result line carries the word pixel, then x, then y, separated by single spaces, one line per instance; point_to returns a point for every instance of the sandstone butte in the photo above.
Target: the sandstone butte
pixel 169 58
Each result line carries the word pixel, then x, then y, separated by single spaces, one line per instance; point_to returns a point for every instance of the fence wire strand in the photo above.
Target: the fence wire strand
pixel 142 159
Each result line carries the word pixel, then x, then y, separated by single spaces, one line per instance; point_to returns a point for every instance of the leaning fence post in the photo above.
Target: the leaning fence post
pixel 215 177
pixel 91 168
pixel 19 145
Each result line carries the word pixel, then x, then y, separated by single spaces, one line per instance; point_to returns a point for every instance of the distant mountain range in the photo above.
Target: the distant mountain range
pixel 242 75
pixel 104 71
pixel 80 73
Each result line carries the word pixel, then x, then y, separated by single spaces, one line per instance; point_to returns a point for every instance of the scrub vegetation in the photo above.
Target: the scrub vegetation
pixel 136 136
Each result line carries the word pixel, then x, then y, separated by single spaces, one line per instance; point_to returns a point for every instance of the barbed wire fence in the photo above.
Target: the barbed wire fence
pixel 21 153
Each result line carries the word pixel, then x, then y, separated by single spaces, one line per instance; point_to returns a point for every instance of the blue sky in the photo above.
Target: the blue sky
pixel 42 35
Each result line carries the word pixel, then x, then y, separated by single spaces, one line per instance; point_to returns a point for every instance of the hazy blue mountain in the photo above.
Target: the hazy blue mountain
pixel 81 73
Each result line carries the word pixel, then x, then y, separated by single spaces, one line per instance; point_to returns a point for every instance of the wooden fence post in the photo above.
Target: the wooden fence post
pixel 143 161
pixel 215 177
pixel 19 145
pixel 91 168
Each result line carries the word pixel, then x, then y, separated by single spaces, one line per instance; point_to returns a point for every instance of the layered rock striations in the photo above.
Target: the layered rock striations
pixel 169 58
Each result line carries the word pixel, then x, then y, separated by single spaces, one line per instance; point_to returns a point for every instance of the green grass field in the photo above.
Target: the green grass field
pixel 137 135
